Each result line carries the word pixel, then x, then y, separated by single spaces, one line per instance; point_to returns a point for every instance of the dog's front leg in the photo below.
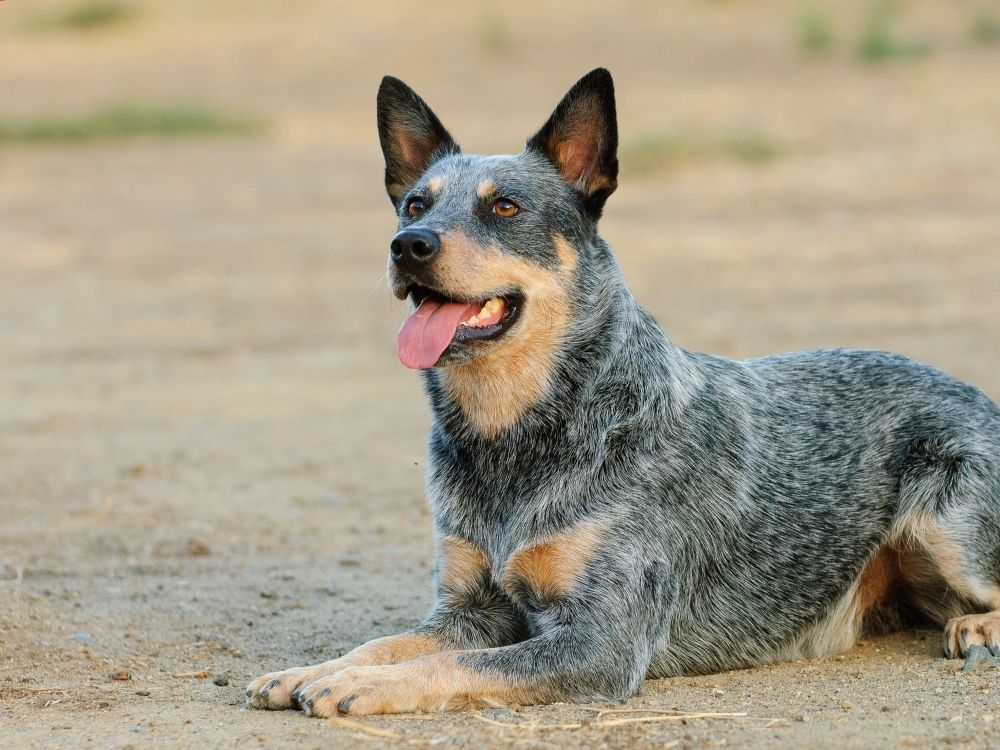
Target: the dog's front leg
pixel 584 661
pixel 471 612
pixel 596 623
pixel 278 690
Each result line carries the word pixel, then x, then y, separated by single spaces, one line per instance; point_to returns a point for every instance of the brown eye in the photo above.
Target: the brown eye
pixel 415 206
pixel 505 209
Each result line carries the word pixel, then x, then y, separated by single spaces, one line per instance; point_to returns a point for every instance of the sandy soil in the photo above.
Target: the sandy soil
pixel 210 461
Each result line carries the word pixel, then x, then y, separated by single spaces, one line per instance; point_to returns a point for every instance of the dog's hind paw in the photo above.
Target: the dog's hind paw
pixel 963 633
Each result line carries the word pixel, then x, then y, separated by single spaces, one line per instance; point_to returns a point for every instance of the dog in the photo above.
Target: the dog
pixel 609 507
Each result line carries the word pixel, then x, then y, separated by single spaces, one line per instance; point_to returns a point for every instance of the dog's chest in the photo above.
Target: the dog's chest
pixel 535 575
pixel 524 526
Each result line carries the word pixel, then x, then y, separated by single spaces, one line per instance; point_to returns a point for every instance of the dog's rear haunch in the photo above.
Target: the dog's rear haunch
pixel 609 507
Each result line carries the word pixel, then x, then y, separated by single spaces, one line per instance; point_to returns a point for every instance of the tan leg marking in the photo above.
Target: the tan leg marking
pixel 553 567
pixel 274 691
pixel 498 386
pixel 877 580
pixel 972 630
pixel 461 566
pixel 839 628
pixel 433 683
pixel 931 533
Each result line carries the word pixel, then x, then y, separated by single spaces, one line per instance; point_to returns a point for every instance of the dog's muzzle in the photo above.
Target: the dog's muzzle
pixel 413 249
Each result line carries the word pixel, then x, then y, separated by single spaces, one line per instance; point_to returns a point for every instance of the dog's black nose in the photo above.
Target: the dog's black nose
pixel 414 247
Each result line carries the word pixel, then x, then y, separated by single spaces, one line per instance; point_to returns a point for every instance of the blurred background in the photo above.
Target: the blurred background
pixel 200 395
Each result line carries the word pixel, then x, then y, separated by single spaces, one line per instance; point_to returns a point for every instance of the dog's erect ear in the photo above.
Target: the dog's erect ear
pixel 581 138
pixel 412 136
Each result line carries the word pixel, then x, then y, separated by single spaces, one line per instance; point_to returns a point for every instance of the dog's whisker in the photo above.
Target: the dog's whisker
pixel 381 278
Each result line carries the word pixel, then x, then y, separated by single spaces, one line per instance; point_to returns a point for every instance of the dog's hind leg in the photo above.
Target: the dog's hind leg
pixel 950 523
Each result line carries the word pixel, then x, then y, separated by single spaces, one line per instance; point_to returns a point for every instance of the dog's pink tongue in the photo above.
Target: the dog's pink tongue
pixel 429 330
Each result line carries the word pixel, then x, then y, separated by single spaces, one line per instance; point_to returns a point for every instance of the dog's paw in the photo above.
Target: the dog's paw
pixel 961 633
pixel 361 691
pixel 277 690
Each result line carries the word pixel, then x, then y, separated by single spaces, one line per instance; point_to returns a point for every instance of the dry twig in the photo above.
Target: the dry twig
pixel 357 726
pixel 659 715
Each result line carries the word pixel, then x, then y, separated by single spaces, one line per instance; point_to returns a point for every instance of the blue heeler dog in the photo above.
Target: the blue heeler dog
pixel 609 507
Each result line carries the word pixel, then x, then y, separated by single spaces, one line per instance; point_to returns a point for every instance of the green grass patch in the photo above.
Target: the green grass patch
pixel 85 16
pixel 814 29
pixel 879 39
pixel 126 122
pixel 654 153
pixel 984 29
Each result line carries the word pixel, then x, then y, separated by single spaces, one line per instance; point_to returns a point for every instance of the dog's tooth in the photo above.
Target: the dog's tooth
pixel 492 305
pixel 473 320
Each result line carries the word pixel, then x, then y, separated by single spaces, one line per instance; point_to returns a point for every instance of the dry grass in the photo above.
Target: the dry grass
pixel 657 152
pixel 85 16
pixel 881 41
pixel 121 122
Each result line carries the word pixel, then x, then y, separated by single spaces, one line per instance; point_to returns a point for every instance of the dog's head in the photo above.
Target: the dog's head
pixel 488 247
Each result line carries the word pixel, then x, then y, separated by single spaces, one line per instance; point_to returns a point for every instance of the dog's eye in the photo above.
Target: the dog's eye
pixel 415 206
pixel 505 209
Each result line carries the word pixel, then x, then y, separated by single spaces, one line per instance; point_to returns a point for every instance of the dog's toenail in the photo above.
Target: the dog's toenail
pixel 263 695
pixel 323 693
pixel 272 684
pixel 345 705
pixel 296 696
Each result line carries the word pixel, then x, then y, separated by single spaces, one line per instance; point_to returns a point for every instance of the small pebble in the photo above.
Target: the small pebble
pixel 976 656
pixel 121 676
pixel 197 548
pixel 221 680
pixel 83 638
pixel 143 693
pixel 500 713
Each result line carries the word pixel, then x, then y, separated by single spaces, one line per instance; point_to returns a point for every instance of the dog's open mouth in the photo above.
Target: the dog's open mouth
pixel 440 325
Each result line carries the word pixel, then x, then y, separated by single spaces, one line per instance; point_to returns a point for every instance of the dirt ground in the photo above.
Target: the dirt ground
pixel 211 462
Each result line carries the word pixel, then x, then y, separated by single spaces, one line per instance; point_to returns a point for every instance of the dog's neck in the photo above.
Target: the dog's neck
pixel 540 382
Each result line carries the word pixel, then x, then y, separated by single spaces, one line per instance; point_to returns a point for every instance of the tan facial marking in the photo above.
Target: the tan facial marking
pixel 461 566
pixel 435 184
pixel 551 568
pixel 567 254
pixel 486 189
pixel 499 385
